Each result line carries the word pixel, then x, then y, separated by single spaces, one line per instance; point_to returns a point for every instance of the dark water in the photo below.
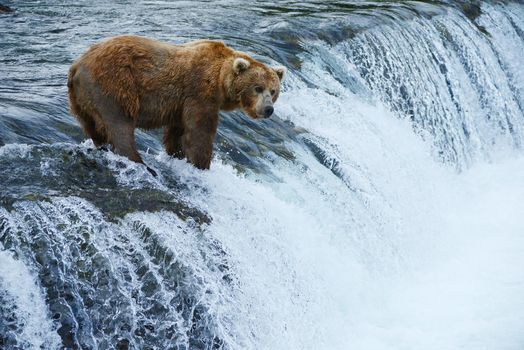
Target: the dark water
pixel 97 254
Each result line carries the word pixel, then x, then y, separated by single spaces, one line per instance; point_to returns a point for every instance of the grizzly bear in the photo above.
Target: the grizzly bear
pixel 129 81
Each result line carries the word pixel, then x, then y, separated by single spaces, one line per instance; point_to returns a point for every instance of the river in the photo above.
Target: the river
pixel 381 207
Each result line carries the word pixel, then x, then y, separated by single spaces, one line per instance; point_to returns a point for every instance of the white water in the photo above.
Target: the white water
pixel 423 258
pixel 399 251
pixel 24 299
pixel 457 83
pixel 381 247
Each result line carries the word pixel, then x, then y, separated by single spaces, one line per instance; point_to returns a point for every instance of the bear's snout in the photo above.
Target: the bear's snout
pixel 268 111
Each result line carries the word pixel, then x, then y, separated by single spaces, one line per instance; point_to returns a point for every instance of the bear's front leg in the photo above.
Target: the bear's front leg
pixel 173 141
pixel 200 128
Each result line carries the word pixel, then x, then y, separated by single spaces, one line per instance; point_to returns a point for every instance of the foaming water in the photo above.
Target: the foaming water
pixel 23 307
pixel 444 74
pixel 381 208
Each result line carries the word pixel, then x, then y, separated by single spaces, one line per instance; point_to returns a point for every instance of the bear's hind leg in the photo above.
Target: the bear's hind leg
pixel 89 124
pixel 122 138
pixel 173 141
pixel 124 144
pixel 119 128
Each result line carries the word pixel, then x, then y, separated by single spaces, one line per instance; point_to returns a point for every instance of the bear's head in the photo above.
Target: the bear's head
pixel 255 86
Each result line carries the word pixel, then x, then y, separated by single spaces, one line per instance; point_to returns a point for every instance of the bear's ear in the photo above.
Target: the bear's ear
pixel 280 71
pixel 240 65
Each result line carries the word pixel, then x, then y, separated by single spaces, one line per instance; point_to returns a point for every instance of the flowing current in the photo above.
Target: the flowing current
pixel 382 207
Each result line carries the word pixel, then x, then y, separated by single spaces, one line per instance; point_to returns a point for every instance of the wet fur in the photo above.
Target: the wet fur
pixel 128 82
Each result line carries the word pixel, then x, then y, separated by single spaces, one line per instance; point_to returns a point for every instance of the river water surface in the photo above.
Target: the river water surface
pixel 381 207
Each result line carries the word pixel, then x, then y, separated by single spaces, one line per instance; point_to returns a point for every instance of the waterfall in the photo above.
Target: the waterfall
pixel 380 209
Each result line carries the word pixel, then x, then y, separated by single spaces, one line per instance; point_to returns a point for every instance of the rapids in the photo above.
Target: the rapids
pixel 380 208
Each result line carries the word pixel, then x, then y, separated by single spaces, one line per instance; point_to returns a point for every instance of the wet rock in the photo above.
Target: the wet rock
pixel 123 344
pixel 472 10
pixel 5 9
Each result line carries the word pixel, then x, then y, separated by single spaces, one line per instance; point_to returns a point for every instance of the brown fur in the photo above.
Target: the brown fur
pixel 129 81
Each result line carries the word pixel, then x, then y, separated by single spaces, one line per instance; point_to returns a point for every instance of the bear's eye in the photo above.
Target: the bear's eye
pixel 259 89
pixel 273 92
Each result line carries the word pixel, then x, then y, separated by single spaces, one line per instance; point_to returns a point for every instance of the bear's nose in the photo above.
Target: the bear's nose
pixel 268 111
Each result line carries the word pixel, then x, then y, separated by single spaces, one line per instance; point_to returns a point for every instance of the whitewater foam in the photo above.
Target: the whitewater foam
pixel 25 299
